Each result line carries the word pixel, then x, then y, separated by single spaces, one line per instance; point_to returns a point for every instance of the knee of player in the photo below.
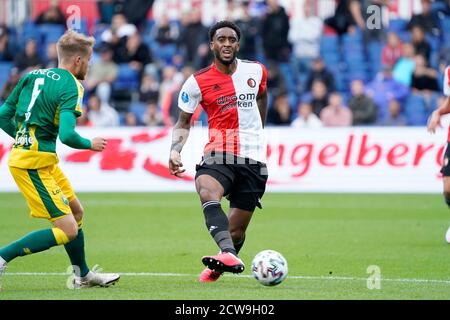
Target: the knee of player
pixel 71 231
pixel 207 195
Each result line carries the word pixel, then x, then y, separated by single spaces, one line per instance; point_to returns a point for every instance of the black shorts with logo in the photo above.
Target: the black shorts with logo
pixel 446 166
pixel 243 179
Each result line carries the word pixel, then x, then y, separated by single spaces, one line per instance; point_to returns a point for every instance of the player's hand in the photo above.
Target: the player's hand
pixel 175 165
pixel 98 144
pixel 433 122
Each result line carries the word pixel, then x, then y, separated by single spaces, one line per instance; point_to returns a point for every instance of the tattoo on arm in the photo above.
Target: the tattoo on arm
pixel 181 131
pixel 261 100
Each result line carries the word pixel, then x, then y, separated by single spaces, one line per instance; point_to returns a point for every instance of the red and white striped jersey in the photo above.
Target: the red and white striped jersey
pixel 234 120
pixel 446 89
pixel 446 85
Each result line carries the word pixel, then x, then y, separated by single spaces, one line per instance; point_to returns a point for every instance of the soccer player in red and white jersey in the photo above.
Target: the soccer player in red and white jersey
pixel 433 123
pixel 233 94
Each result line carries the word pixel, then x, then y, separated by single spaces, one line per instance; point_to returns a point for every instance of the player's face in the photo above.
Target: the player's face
pixel 225 45
pixel 83 66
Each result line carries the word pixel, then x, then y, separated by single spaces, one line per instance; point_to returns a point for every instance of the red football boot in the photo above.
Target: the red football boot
pixel 224 262
pixel 209 275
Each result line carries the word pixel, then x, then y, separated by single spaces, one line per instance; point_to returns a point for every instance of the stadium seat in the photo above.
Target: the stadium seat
pixel 397 25
pixel 138 108
pixel 127 78
pixel 329 43
pixel 50 32
pixel 415 110
pixel 5 70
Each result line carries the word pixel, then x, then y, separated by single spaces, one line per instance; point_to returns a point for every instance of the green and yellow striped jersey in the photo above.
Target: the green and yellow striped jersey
pixel 39 98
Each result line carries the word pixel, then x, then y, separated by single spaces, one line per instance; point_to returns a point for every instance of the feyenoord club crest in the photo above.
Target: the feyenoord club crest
pixel 251 82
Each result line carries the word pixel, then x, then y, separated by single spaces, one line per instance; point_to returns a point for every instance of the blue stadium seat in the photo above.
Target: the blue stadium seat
pixel 50 32
pixel 397 25
pixel 127 78
pixel 329 43
pixel 138 108
pixel 5 70
pixel 415 110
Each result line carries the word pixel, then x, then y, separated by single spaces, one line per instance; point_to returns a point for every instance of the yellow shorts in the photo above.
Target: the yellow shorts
pixel 47 191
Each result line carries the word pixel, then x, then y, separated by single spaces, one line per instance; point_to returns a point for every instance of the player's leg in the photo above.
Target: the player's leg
pixel 447 201
pixel 211 185
pixel 45 201
pixel 239 220
pixel 75 248
pixel 446 184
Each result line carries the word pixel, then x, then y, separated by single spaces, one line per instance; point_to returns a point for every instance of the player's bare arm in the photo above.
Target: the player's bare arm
pixel 261 101
pixel 435 119
pixel 179 137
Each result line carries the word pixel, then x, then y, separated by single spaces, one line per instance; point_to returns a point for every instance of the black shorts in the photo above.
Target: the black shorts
pixel 244 180
pixel 446 166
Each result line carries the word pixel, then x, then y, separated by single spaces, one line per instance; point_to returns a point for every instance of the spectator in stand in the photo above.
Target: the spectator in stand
pixel 346 17
pixel 275 30
pixel 134 52
pixel 363 108
pixel 131 120
pixel 404 68
pixel 53 15
pixel 149 89
pixel 8 87
pixel 280 112
pixel 444 57
pixel 320 72
pixel 169 102
pixel 6 50
pixel 165 32
pixel 152 116
pixel 194 40
pixel 250 31
pixel 420 43
pixel 424 78
pixel 318 96
pixel 306 117
pixel 101 114
pixel 29 59
pixel 120 28
pixel 135 11
pixel 102 74
pixel 170 82
pixel 106 10
pixel 427 19
pixel 394 118
pixel 336 114
pixel 383 89
pixel 304 34
pixel 392 51
pixel 52 56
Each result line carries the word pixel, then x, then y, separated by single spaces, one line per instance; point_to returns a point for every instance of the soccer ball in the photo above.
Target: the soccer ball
pixel 269 267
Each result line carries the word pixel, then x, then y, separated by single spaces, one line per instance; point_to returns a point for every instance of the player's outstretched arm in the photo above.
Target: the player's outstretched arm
pixel 180 134
pixel 71 138
pixel 6 119
pixel 261 100
pixel 435 119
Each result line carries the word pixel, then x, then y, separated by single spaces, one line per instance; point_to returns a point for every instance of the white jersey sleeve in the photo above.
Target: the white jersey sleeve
pixel 446 84
pixel 190 95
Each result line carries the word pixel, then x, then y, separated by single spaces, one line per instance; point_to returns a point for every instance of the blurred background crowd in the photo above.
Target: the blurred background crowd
pixel 330 63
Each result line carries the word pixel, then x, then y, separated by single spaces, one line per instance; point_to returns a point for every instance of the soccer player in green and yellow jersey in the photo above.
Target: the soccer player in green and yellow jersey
pixel 43 105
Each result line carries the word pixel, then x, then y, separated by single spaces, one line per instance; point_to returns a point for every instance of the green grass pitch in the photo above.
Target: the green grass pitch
pixel 156 240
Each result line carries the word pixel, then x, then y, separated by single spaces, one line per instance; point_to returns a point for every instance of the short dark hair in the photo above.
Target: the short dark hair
pixel 224 24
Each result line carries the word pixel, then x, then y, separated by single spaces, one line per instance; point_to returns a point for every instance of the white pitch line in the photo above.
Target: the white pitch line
pixel 156 274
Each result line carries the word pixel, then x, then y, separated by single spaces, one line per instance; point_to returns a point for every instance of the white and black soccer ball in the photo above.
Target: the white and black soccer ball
pixel 269 267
